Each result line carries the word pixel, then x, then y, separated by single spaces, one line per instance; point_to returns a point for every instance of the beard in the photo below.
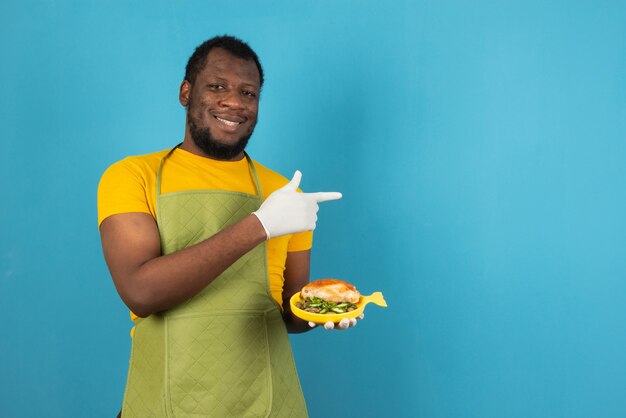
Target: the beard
pixel 210 145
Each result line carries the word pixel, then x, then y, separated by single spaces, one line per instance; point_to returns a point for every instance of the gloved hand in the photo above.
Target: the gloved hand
pixel 345 323
pixel 286 211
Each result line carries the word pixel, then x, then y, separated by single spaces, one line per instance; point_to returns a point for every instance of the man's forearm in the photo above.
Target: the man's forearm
pixel 294 324
pixel 166 281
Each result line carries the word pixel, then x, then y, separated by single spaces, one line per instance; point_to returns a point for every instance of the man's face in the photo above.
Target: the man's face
pixel 222 105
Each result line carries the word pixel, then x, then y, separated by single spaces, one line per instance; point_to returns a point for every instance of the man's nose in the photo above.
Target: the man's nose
pixel 231 99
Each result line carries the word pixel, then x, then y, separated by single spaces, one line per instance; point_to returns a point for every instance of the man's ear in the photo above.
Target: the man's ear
pixel 183 94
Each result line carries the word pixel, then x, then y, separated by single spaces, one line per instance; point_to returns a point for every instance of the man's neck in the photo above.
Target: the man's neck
pixel 190 146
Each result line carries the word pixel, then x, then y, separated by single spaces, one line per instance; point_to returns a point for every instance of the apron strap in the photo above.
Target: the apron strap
pixel 160 170
pixel 255 177
pixel 253 173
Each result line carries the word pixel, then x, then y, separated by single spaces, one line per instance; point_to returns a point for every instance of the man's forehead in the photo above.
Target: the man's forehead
pixel 221 61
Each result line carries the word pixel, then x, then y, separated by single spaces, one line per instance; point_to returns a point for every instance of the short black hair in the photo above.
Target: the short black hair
pixel 233 45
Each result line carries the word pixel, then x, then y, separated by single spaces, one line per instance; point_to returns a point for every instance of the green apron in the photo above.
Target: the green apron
pixel 225 352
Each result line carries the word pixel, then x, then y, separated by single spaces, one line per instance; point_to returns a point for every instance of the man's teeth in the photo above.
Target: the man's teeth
pixel 227 122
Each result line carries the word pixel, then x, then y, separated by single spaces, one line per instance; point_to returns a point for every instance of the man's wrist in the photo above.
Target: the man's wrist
pixel 263 232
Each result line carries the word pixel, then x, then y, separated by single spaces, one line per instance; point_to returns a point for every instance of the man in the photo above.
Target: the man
pixel 205 246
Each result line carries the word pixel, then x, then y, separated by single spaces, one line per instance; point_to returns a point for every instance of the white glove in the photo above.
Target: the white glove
pixel 286 211
pixel 345 323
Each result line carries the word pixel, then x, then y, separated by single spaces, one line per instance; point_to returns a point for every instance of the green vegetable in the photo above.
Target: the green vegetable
pixel 324 306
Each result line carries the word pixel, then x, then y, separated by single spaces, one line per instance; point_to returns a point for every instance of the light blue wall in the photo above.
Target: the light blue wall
pixel 481 149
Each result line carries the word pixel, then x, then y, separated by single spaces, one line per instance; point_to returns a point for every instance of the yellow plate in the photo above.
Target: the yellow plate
pixel 376 298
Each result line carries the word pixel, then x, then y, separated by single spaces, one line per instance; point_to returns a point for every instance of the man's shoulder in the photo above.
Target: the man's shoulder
pixel 271 179
pixel 140 162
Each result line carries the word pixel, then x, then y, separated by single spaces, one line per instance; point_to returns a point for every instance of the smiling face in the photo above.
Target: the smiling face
pixel 222 106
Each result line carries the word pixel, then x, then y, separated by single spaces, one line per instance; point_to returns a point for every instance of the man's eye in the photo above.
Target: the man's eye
pixel 216 87
pixel 249 93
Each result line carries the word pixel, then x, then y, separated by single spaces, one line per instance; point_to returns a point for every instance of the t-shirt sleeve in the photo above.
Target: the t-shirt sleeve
pixel 122 189
pixel 300 242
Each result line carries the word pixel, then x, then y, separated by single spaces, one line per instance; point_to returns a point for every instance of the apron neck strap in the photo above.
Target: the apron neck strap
pixel 160 169
pixel 255 177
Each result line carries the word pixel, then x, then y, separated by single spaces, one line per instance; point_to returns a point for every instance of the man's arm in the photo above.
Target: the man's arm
pixel 149 282
pixel 297 271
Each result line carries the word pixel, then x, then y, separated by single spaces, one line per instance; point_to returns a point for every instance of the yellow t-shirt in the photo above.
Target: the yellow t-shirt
pixel 129 185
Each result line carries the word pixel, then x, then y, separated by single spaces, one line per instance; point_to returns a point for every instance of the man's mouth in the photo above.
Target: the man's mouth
pixel 231 122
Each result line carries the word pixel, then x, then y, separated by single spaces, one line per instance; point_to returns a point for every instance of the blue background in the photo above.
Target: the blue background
pixel 480 147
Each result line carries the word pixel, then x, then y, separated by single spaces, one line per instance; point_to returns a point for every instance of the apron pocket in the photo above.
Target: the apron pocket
pixel 218 365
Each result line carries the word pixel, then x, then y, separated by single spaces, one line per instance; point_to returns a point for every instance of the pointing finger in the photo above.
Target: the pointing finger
pixel 324 196
pixel 294 183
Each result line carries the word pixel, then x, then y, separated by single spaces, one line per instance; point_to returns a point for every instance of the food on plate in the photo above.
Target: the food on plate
pixel 329 296
pixel 331 290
